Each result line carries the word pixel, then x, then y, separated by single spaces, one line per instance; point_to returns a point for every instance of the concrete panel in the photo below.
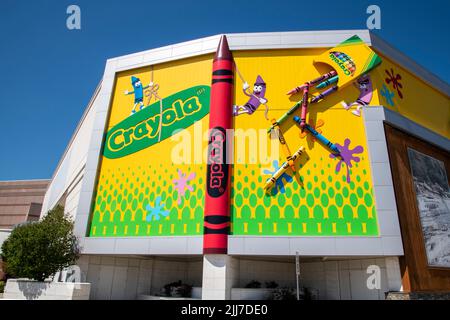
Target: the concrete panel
pixel 381 174
pixel 358 246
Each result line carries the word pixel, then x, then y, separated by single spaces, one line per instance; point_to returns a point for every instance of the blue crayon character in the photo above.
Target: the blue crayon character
pixel 257 97
pixel 138 93
pixel 320 137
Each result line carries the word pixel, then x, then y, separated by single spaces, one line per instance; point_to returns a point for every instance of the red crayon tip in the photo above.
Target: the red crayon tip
pixel 223 50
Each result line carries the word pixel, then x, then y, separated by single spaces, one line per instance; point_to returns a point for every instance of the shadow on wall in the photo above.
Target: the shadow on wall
pixel 32 289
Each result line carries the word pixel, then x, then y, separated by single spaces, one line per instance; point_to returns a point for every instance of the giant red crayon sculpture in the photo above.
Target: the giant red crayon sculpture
pixel 217 200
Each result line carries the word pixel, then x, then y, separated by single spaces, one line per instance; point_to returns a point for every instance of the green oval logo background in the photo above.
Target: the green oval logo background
pixel 140 130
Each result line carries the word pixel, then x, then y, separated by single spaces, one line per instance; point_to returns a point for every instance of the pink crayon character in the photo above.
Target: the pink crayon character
pixel 364 84
pixel 257 97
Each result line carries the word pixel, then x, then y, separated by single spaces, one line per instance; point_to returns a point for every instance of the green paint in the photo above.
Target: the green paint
pixel 141 130
pixel 368 199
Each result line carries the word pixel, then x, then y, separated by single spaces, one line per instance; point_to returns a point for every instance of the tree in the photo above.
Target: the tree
pixel 40 249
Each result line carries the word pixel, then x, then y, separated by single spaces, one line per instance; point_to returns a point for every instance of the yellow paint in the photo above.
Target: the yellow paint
pixel 259 227
pixel 160 229
pixel 304 227
pixel 184 228
pixel 104 230
pixel 274 227
pixel 421 103
pixel 319 227
pixel 172 228
pixel 126 229
pixel 115 230
pixel 349 227
pixel 245 227
pixel 289 227
pixel 101 216
pixel 333 226
pixel 148 229
pixel 137 229
pixel 364 227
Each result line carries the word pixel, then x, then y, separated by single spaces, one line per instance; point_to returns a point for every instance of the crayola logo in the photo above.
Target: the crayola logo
pixel 217 169
pixel 142 129
pixel 344 62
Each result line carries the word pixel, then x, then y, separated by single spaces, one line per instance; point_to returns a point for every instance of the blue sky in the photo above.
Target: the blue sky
pixel 48 73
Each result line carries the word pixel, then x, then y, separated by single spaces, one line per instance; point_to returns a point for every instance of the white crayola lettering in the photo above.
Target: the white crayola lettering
pixel 216 158
pixel 340 64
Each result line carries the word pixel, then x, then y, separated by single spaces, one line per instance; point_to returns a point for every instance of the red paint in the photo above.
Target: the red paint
pixel 217 199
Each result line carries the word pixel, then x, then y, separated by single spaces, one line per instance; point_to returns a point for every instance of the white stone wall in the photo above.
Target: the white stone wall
pixel 282 273
pixel 72 198
pixel 126 277
pixel 343 279
pixel 4 234
pixel 33 290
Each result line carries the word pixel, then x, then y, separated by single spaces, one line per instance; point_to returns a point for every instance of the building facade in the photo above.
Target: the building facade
pixel 135 175
pixel 20 201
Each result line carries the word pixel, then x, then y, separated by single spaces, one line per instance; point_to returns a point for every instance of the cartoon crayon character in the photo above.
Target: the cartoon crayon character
pixel 319 137
pixel 326 83
pixel 286 115
pixel 364 84
pixel 257 97
pixel 271 181
pixel 323 94
pixel 284 146
pixel 138 93
pixel 312 82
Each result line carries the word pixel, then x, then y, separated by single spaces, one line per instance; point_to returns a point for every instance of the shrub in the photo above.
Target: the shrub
pixel 40 249
pixel 253 284
pixel 271 285
pixel 284 294
pixel 2 286
pixel 177 289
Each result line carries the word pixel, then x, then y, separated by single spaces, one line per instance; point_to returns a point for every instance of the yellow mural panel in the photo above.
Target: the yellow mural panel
pixel 399 90
pixel 152 181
